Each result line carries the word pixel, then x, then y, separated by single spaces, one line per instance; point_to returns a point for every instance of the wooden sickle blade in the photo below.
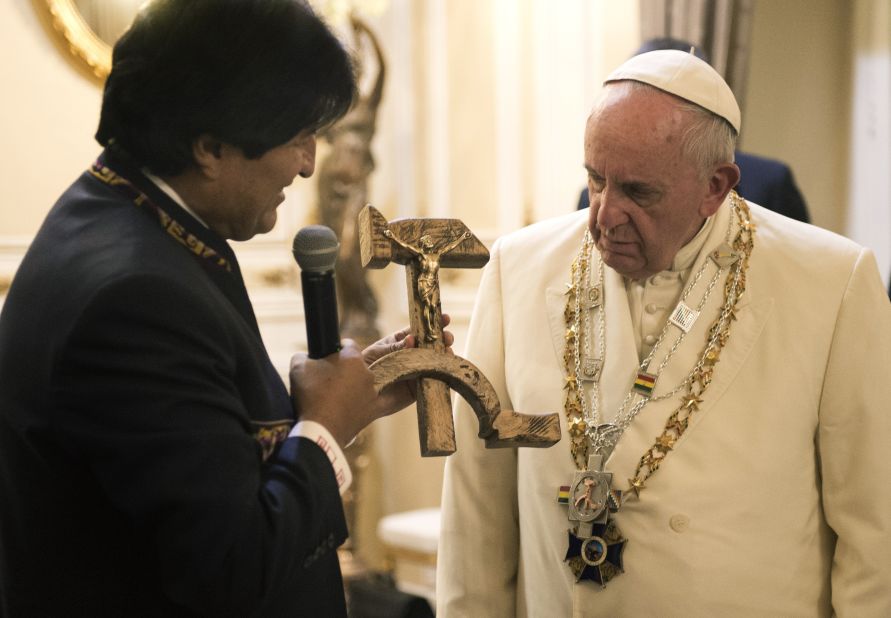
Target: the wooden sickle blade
pixel 499 428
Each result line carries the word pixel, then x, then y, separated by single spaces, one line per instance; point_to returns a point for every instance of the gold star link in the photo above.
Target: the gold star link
pixel 691 402
pixel 570 333
pixel 678 425
pixel 703 377
pixel 636 485
pixel 577 426
pixel 665 442
pixel 570 383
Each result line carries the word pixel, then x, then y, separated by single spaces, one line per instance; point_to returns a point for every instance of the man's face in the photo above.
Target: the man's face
pixel 250 190
pixel 646 196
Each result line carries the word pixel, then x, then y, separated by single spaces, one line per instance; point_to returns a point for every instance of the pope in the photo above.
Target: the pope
pixel 720 369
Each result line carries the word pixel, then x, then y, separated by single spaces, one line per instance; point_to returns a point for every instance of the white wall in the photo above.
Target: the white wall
pixel 50 109
pixel 869 215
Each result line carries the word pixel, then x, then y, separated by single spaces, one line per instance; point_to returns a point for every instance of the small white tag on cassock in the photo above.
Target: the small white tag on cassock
pixel 683 317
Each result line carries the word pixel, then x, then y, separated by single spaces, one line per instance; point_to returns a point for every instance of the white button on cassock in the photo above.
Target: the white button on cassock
pixel 679 523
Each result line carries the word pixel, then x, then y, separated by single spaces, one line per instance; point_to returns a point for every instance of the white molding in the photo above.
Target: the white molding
pixel 438 152
pixel 560 106
pixel 15 244
pixel 508 124
pixel 401 103
pixel 869 217
pixel 12 250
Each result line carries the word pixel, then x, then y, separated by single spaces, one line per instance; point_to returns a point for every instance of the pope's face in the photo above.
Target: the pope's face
pixel 250 190
pixel 646 196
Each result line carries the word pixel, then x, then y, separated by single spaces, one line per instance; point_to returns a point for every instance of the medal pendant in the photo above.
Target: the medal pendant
pixel 595 542
pixel 588 494
pixel 598 557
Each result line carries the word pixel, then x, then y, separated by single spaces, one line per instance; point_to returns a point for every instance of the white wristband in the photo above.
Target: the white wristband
pixel 321 436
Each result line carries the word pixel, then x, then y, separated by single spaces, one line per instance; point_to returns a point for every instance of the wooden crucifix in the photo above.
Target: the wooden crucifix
pixel 424 246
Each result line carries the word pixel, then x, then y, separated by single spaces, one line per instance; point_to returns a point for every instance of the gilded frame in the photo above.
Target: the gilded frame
pixel 82 41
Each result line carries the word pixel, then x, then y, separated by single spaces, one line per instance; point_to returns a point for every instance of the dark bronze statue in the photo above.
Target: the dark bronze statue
pixel 343 191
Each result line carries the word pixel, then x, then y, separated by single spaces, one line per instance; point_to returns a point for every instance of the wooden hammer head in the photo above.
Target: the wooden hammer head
pixel 377 249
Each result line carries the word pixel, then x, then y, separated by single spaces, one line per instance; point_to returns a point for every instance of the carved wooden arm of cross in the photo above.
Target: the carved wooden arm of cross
pixel 423 246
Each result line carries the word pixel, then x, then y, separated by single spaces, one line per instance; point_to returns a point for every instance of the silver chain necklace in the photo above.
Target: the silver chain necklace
pixel 602 437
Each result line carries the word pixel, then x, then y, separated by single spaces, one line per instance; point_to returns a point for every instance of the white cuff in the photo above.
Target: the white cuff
pixel 321 436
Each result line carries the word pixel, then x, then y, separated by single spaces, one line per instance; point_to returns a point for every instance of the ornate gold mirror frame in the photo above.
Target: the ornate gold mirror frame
pixel 82 41
pixel 90 48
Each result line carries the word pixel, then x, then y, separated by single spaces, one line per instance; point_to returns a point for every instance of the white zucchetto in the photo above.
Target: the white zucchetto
pixel 683 75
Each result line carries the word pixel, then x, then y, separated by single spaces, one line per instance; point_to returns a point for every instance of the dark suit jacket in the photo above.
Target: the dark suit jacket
pixel 766 182
pixel 770 184
pixel 145 467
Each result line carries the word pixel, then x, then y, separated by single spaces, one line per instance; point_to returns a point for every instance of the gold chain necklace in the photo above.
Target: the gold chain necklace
pixel 585 430
pixel 595 543
pixel 719 333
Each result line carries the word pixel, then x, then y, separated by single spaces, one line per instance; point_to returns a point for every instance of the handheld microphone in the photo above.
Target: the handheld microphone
pixel 315 249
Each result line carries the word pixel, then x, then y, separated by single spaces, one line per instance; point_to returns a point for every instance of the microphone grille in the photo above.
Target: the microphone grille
pixel 315 248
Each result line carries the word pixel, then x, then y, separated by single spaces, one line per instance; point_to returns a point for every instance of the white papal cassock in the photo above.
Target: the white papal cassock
pixel 775 502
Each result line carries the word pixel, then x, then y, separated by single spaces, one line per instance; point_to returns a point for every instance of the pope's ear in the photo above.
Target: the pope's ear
pixel 723 178
pixel 208 154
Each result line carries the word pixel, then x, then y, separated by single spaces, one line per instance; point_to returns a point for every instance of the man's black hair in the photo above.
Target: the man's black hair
pixel 251 73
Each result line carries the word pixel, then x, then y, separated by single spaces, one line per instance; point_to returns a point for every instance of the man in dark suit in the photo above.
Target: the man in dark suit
pixel 770 183
pixel 766 182
pixel 150 463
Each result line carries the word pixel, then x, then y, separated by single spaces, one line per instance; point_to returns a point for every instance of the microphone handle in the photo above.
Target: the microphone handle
pixel 320 309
